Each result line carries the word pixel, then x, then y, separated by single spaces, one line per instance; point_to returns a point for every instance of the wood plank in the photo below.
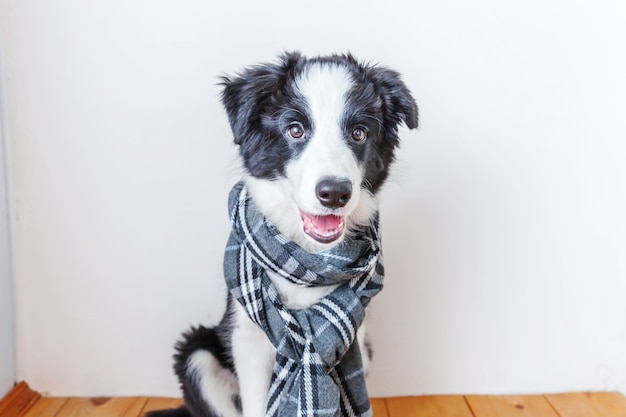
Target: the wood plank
pixel 589 404
pixel 611 403
pixel 46 407
pixel 598 404
pixel 18 400
pixel 103 407
pixel 379 407
pixel 428 406
pixel 510 406
pixel 161 403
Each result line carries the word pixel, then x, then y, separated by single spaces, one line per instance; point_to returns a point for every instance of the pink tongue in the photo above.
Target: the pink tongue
pixel 323 228
pixel 326 223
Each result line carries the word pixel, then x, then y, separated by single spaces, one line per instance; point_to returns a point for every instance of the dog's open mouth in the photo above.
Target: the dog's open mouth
pixel 323 228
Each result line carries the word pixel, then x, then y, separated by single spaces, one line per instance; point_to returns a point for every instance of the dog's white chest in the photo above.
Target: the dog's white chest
pixel 296 296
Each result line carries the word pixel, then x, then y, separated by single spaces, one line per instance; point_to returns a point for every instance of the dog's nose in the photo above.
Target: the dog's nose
pixel 334 192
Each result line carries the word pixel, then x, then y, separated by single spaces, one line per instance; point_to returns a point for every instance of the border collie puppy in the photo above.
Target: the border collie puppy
pixel 316 137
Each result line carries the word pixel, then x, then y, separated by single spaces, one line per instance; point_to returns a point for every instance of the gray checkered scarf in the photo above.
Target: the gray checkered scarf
pixel 318 370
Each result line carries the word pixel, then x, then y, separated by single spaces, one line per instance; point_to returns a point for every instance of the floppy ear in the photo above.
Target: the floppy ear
pixel 245 95
pixel 399 105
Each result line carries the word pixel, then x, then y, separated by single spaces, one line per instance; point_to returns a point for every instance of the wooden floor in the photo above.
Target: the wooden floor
pixel 597 404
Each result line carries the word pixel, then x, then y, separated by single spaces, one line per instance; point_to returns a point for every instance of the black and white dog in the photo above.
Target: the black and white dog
pixel 316 138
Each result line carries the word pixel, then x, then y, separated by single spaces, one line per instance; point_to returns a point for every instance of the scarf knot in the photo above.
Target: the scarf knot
pixel 318 369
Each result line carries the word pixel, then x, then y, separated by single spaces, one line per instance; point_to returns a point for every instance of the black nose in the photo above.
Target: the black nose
pixel 334 192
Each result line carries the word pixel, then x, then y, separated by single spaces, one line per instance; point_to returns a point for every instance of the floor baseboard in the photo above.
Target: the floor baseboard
pixel 18 401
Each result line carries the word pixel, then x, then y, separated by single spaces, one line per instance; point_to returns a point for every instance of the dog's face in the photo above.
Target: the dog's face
pixel 317 137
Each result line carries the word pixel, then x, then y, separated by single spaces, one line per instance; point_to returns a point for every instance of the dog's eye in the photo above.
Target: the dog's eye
pixel 295 131
pixel 359 134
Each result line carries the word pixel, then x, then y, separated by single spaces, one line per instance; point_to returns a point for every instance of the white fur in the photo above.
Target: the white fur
pixel 295 296
pixel 217 385
pixel 361 335
pixel 326 155
pixel 254 357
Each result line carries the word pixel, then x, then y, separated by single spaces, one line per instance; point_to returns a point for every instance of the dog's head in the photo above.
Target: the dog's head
pixel 317 137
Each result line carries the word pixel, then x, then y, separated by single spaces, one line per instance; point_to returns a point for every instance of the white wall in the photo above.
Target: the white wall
pixel 7 340
pixel 504 226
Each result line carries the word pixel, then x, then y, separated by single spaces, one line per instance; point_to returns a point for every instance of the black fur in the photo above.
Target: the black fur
pixel 262 100
pixel 214 340
pixel 172 412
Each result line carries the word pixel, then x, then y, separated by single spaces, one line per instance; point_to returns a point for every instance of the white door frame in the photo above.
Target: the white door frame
pixel 7 294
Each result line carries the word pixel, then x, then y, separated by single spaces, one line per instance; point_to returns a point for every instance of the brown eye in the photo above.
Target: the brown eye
pixel 359 134
pixel 295 131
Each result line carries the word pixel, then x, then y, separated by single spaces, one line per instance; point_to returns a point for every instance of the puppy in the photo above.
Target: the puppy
pixel 316 138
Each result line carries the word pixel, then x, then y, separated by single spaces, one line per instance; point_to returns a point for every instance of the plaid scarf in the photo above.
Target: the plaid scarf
pixel 318 369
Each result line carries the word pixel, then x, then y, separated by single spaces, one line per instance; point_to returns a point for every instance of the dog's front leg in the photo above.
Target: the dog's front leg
pixel 366 354
pixel 254 357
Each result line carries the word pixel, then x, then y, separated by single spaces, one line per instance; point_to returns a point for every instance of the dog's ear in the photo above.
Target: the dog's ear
pixel 245 95
pixel 399 105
